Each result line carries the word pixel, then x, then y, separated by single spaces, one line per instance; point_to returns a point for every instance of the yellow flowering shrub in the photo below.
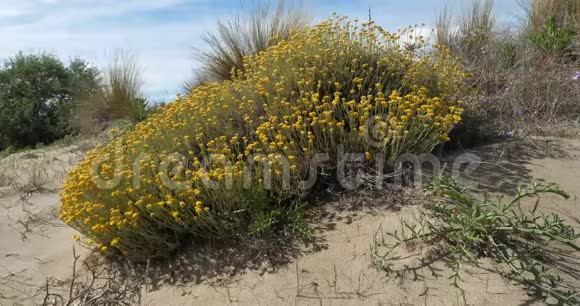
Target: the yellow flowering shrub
pixel 336 84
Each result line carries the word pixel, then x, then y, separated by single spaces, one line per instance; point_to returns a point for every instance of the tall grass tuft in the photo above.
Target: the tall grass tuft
pixel 522 76
pixel 445 33
pixel 469 34
pixel 123 88
pixel 248 35
pixel 117 96
pixel 476 28
pixel 566 12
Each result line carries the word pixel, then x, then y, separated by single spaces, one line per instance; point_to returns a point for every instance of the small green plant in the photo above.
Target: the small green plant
pixel 4 179
pixel 289 220
pixel 6 152
pixel 504 231
pixel 553 38
pixel 509 55
pixel 30 155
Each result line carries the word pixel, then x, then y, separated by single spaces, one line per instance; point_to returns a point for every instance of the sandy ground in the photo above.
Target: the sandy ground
pixel 35 245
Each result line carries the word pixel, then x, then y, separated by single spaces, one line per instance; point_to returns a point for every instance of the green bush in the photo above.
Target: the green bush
pixel 36 96
pixel 553 39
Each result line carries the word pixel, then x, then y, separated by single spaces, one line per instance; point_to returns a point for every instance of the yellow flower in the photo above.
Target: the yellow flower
pixel 368 156
pixel 302 96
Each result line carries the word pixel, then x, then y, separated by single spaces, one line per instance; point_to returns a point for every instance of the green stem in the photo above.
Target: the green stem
pixel 518 272
pixel 540 233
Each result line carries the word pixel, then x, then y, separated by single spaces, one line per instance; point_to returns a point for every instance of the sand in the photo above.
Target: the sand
pixel 35 245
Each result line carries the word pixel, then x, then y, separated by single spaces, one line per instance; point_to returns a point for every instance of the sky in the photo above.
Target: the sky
pixel 165 35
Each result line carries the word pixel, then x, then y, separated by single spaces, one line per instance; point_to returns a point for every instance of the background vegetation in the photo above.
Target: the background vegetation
pixel 36 97
pixel 42 100
pixel 524 77
pixel 116 97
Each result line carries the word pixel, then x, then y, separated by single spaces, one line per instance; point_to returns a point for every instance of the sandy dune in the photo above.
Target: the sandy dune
pixel 35 245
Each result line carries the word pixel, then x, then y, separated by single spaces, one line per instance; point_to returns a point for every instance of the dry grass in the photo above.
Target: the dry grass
pixel 567 12
pixel 25 173
pixel 518 85
pixel 469 34
pixel 123 79
pixel 101 285
pixel 476 28
pixel 445 33
pixel 118 97
pixel 27 177
pixel 243 36
pixel 4 179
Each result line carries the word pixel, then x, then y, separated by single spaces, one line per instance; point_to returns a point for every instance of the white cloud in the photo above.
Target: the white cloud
pixel 84 29
pixel 7 12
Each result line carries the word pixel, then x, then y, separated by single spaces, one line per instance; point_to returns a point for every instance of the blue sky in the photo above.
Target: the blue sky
pixel 163 34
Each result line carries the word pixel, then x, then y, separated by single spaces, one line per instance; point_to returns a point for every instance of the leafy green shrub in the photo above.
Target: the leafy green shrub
pixel 230 158
pixel 468 229
pixel 553 39
pixel 36 96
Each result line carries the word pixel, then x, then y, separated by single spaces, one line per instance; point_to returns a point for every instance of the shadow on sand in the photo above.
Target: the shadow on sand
pixel 220 263
pixel 501 167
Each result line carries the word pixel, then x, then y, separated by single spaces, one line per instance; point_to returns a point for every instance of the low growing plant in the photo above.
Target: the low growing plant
pixel 505 231
pixel 199 167
pixel 553 39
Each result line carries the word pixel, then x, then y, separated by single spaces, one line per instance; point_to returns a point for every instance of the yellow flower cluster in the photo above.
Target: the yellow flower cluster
pixel 339 83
